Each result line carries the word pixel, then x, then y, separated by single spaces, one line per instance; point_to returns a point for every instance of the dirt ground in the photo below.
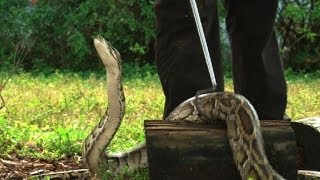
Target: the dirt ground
pixel 16 168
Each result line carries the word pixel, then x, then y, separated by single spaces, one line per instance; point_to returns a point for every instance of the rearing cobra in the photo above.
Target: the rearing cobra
pixel 234 110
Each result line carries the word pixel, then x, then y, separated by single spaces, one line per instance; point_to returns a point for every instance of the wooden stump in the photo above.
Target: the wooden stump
pixel 308 135
pixel 188 151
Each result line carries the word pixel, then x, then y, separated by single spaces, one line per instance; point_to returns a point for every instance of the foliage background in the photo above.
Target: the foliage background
pixel 298 25
pixel 63 31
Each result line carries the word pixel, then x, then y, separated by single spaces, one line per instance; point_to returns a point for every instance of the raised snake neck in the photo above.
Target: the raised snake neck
pixel 242 123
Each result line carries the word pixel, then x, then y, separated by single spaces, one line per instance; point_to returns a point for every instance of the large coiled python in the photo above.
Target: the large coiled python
pixel 234 110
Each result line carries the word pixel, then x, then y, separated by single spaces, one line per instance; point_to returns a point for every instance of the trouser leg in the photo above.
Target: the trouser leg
pixel 257 67
pixel 179 57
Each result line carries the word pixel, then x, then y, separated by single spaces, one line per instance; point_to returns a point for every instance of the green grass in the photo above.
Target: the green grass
pixel 303 94
pixel 48 115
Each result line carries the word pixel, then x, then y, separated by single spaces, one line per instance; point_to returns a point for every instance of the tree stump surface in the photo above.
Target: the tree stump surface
pixel 190 151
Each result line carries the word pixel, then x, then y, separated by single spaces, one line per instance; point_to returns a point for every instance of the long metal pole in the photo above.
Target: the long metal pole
pixel 203 43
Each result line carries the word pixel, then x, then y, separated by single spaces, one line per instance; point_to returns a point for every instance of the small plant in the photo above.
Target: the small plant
pixel 19 54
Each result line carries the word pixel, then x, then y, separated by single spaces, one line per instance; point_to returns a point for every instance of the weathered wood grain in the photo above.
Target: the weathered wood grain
pixel 188 151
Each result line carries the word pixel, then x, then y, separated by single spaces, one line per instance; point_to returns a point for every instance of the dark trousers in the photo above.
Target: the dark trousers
pixel 257 67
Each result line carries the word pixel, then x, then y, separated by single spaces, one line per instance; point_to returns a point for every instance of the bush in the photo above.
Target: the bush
pixel 64 30
pixel 298 26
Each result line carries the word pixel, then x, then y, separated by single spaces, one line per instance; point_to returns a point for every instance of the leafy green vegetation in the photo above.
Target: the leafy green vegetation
pixel 304 94
pixel 298 27
pixel 63 31
pixel 49 115
pixel 54 113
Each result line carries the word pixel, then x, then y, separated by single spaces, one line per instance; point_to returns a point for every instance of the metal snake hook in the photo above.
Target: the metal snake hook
pixel 206 54
pixel 203 43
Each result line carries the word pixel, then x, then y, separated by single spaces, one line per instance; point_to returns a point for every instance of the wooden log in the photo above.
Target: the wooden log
pixel 189 151
pixel 308 134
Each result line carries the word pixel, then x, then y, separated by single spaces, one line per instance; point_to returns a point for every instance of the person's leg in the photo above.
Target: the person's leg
pixel 179 57
pixel 257 67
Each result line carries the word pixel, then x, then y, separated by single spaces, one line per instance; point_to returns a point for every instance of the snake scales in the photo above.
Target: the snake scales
pixel 234 110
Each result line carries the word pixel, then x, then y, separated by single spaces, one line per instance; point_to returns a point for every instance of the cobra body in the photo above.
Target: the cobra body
pixel 234 110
